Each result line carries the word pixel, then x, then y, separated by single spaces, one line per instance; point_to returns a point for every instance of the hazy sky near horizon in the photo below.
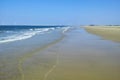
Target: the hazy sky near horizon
pixel 59 12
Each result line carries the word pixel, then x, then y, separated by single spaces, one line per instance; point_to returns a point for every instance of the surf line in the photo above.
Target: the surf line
pixel 30 54
pixel 20 69
pixel 52 68
pixel 25 57
pixel 20 65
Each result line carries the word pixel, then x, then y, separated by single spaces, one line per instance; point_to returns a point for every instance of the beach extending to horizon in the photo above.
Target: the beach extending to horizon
pixel 59 39
pixel 61 54
pixel 106 32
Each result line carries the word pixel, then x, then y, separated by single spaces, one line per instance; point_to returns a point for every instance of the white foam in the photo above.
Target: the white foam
pixel 65 29
pixel 24 35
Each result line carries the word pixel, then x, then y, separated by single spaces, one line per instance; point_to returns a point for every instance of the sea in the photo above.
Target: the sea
pixel 14 33
pixel 20 42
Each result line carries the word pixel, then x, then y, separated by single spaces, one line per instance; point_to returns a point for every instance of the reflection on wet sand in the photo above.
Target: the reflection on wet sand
pixel 82 56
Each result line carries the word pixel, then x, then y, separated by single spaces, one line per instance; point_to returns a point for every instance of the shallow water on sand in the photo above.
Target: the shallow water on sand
pixel 14 54
pixel 79 56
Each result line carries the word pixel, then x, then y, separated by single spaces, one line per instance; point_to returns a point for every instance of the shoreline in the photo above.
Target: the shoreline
pixel 18 58
pixel 37 51
pixel 77 55
pixel 74 58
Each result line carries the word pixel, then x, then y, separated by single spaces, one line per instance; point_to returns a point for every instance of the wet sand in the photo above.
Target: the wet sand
pixel 107 32
pixel 79 56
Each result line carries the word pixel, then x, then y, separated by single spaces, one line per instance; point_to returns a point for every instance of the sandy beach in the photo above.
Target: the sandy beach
pixel 106 32
pixel 59 39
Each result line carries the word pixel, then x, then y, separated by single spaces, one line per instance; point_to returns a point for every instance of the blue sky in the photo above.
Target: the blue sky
pixel 59 12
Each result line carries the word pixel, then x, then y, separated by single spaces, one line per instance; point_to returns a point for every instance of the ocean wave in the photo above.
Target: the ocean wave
pixel 15 35
pixel 24 34
pixel 65 29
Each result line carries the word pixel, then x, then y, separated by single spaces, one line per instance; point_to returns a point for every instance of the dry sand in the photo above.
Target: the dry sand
pixel 107 32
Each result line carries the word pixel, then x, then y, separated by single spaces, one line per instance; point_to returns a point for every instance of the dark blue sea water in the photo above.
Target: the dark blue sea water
pixel 10 33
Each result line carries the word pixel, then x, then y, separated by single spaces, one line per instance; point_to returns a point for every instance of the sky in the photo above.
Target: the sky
pixel 59 12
